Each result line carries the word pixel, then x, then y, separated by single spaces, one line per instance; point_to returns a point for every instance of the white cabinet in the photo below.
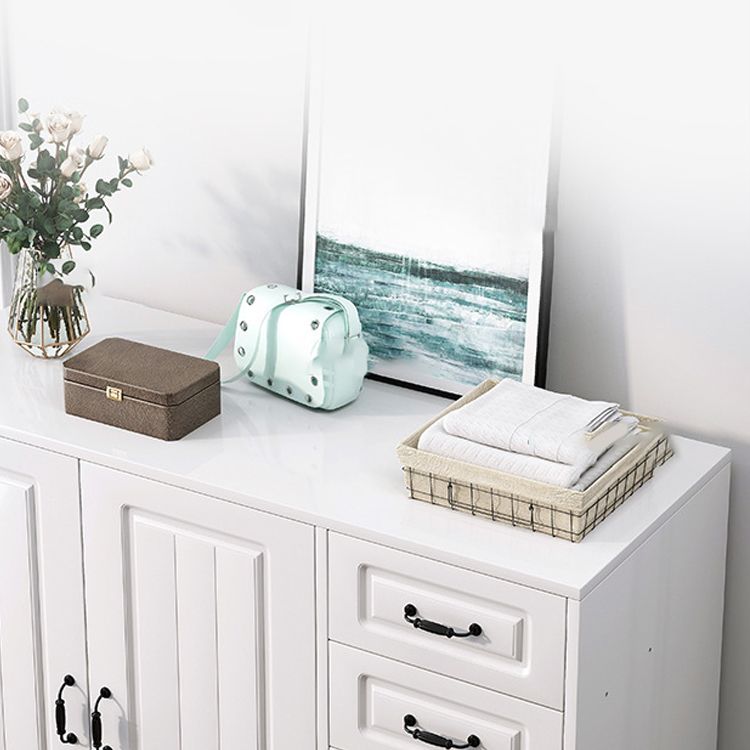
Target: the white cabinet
pixel 42 635
pixel 200 619
pixel 246 587
pixel 645 645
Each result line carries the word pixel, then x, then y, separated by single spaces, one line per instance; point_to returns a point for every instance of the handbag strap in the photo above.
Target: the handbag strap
pixel 227 334
pixel 226 337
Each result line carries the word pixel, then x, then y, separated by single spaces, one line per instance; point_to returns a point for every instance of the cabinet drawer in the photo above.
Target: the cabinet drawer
pixel 371 696
pixel 521 648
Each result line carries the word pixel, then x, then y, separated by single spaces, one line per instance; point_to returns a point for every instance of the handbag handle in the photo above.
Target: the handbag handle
pixel 351 316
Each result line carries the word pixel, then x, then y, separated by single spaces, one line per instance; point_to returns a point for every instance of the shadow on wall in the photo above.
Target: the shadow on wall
pixel 594 314
pixel 250 228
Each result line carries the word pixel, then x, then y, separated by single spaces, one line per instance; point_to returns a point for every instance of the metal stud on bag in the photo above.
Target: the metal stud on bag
pixel 243 325
pixel 250 299
pixel 241 351
pixel 315 325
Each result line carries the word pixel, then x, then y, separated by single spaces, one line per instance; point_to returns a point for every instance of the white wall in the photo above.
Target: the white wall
pixel 651 303
pixel 652 271
pixel 217 93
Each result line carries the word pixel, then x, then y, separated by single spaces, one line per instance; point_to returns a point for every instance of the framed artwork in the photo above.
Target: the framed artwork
pixel 426 200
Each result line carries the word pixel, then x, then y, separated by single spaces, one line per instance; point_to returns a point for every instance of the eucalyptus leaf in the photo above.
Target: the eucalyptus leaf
pixel 51 250
pixel 96 230
pixel 68 266
pixel 23 105
pixel 45 162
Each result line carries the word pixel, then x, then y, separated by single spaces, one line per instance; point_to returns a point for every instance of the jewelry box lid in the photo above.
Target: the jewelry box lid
pixel 143 372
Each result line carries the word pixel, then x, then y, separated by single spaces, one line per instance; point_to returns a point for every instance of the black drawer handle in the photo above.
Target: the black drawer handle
pixel 96 721
pixel 436 740
pixel 67 738
pixel 410 615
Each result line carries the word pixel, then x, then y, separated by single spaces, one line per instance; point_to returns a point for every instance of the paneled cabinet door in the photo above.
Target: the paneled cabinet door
pixel 201 619
pixel 42 636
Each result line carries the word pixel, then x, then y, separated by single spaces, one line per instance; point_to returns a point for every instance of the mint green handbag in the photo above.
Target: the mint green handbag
pixel 305 347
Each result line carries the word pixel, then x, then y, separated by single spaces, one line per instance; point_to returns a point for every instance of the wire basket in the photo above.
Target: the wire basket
pixel 556 511
pixel 537 516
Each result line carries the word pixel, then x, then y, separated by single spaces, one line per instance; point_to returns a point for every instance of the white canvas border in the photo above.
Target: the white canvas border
pixel 312 139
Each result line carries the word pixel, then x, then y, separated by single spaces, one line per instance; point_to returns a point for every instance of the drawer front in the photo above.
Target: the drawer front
pixel 371 696
pixel 521 648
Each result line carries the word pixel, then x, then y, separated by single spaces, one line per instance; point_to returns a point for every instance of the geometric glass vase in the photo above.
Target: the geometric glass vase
pixel 47 317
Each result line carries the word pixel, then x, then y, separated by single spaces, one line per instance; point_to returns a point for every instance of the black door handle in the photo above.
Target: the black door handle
pixel 96 721
pixel 410 615
pixel 436 740
pixel 67 738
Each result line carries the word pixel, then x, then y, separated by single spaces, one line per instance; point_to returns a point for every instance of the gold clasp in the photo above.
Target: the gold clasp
pixel 114 394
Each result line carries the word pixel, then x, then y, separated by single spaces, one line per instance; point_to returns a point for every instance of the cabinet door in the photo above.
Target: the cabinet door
pixel 42 636
pixel 201 619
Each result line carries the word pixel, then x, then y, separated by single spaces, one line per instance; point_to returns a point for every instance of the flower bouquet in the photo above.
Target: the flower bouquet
pixel 46 213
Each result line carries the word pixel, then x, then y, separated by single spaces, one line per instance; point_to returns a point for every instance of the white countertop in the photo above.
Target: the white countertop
pixel 338 470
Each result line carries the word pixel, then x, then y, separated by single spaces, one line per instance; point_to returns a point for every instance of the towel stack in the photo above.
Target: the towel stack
pixel 536 434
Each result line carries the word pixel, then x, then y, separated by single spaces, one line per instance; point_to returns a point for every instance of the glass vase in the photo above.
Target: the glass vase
pixel 47 317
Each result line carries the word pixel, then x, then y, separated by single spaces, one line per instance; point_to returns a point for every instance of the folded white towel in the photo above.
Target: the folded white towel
pixel 436 440
pixel 523 419
pixel 607 460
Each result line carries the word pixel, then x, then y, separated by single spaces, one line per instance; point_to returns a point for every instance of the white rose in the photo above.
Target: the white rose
pixel 141 160
pixel 76 121
pixel 82 192
pixel 6 185
pixel 97 146
pixel 11 146
pixel 74 161
pixel 59 126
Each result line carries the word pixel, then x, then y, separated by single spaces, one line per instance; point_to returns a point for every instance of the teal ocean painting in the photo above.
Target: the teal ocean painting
pixel 459 325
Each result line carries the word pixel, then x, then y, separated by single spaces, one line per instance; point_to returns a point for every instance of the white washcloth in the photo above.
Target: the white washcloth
pixel 523 419
pixel 436 440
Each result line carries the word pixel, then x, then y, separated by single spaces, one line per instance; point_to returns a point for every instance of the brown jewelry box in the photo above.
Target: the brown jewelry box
pixel 141 388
